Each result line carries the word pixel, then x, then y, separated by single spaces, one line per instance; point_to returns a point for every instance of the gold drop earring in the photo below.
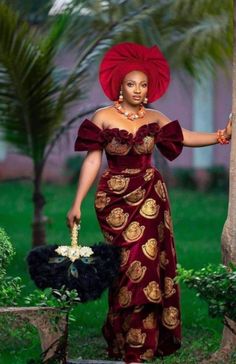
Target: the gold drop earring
pixel 145 101
pixel 121 98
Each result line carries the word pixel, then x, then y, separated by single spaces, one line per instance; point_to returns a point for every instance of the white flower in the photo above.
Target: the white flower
pixel 74 253
pixel 62 250
pixel 86 251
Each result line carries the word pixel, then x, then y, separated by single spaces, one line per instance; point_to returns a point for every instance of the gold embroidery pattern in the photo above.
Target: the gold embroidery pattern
pixel 119 341
pixel 105 173
pixel 124 256
pixel 150 321
pixel 107 236
pixel 169 287
pixel 160 230
pixel 170 317
pixel 133 232
pixel 173 249
pixel 124 296
pixel 138 308
pixel 163 260
pixel 146 147
pixel 112 317
pixel 165 188
pixel 160 191
pixel 118 184
pixel 115 348
pixel 101 200
pixel 131 170
pixel 153 292
pixel 117 219
pixel 135 197
pixel 136 272
pixel 135 338
pixel 149 174
pixel 147 355
pixel 116 148
pixel 150 249
pixel 150 209
pixel 168 221
pixel 126 323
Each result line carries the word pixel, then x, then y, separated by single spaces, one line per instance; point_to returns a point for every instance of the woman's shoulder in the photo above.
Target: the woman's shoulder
pixel 101 115
pixel 156 115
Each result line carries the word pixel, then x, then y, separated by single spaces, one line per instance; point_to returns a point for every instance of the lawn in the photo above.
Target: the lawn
pixel 198 222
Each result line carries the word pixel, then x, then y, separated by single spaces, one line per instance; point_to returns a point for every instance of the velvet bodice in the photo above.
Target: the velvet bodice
pixel 124 149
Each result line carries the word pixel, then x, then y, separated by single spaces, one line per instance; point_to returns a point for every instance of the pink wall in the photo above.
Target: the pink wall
pixel 176 104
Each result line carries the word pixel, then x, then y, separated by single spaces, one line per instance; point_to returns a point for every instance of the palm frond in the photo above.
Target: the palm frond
pixel 64 128
pixel 192 34
pixel 32 11
pixel 34 94
pixel 94 45
pixel 28 90
pixel 206 43
pixel 189 9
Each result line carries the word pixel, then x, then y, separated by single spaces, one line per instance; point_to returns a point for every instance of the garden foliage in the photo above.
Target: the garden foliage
pixel 10 288
pixel 216 285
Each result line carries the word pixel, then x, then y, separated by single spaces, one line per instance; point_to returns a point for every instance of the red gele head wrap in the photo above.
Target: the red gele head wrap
pixel 126 57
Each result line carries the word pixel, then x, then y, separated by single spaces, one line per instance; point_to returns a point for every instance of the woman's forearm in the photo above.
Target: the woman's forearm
pixel 88 173
pixel 198 139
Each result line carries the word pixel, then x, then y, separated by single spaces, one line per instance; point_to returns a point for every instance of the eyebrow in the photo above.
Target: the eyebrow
pixel 135 81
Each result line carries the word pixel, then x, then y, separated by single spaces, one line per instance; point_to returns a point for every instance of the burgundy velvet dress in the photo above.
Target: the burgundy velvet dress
pixel 133 211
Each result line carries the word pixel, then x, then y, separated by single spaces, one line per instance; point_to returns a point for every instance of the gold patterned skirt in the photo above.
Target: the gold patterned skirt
pixel 133 211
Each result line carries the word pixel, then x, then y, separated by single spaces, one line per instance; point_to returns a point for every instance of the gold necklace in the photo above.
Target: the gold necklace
pixel 130 115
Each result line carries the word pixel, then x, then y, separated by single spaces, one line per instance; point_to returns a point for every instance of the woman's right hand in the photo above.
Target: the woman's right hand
pixel 73 216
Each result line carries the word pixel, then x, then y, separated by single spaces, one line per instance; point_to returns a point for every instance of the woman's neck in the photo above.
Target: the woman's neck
pixel 130 108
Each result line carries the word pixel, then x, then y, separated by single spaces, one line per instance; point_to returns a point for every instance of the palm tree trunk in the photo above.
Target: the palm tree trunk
pixel 229 231
pixel 228 241
pixel 38 233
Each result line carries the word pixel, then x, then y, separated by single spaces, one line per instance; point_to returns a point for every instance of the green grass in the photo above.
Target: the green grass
pixel 198 222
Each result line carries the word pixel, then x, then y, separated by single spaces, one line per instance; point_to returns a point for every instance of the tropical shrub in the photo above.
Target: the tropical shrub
pixel 217 286
pixel 10 288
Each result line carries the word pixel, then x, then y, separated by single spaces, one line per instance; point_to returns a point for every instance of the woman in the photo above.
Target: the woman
pixel 132 201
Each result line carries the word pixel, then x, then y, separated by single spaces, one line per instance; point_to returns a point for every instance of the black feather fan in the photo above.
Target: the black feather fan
pixel 88 275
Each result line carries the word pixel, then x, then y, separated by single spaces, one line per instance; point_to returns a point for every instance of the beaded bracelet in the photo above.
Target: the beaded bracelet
pixel 221 138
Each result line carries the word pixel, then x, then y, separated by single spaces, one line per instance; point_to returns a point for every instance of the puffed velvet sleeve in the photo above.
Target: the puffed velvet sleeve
pixel 169 140
pixel 88 137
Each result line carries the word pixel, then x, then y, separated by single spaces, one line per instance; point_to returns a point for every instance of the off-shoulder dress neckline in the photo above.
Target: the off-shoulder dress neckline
pixel 125 130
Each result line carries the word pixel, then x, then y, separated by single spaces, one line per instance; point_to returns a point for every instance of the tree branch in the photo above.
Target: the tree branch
pixel 66 126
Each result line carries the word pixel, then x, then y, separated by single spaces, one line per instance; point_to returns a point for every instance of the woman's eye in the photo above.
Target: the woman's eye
pixel 144 85
pixel 129 84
